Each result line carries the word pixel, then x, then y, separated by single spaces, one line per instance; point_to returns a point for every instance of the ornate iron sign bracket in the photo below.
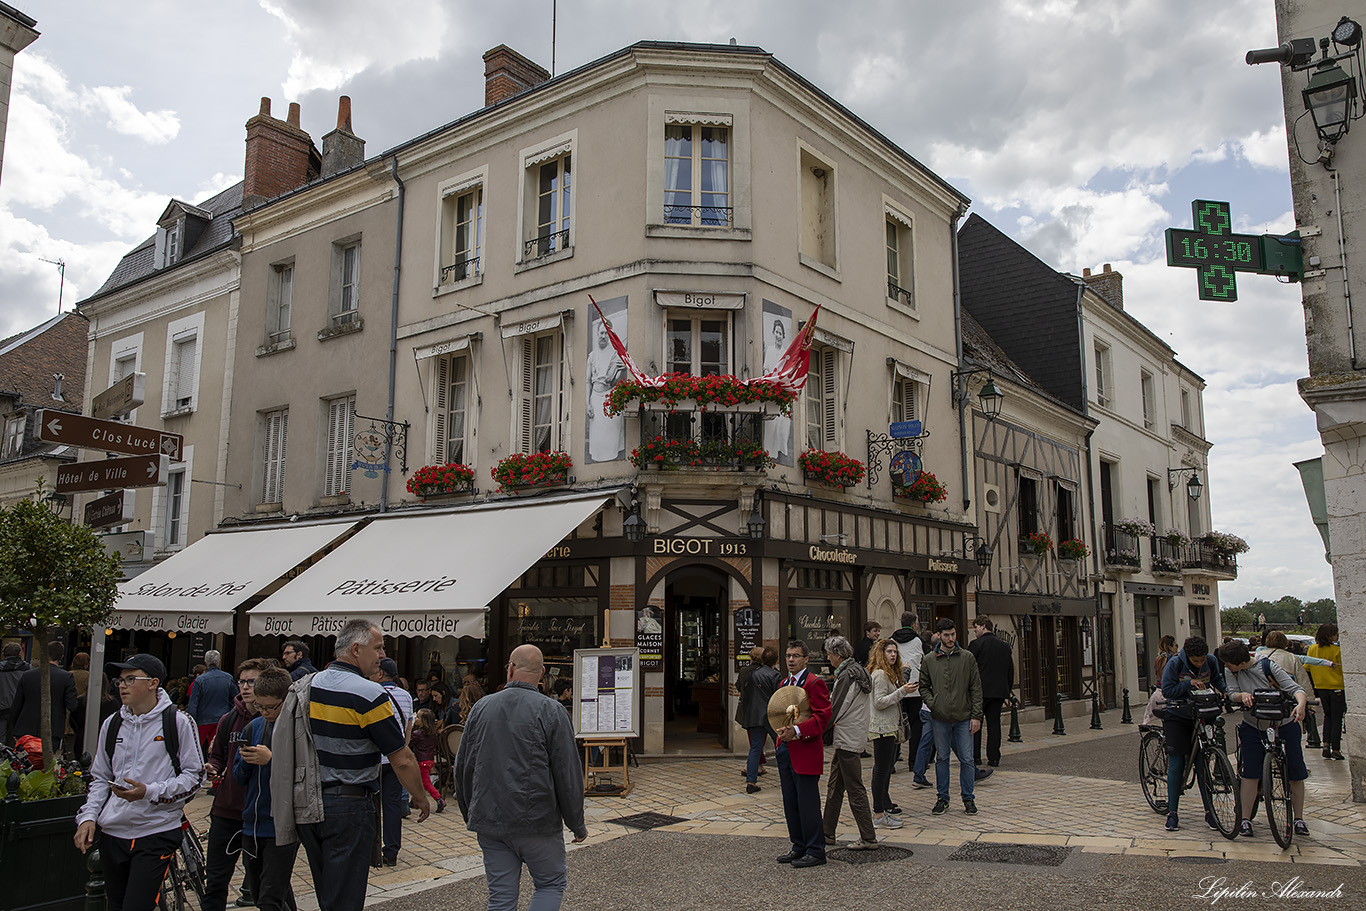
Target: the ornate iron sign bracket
pixel 371 444
pixel 879 443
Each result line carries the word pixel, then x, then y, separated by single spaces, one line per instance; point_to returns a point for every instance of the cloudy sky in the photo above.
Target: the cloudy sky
pixel 1083 128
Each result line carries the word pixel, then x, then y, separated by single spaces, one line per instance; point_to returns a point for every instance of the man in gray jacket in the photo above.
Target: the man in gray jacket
pixel 848 733
pixel 519 783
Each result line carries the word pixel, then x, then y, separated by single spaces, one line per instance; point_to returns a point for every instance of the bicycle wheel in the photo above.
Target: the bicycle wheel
pixel 1152 770
pixel 173 897
pixel 1280 814
pixel 195 867
pixel 1220 784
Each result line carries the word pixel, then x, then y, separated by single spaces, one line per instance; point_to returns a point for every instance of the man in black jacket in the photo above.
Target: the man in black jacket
pixel 12 667
pixel 26 713
pixel 294 656
pixel 996 664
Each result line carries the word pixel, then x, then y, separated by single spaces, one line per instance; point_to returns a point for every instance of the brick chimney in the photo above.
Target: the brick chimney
pixel 280 156
pixel 342 148
pixel 508 73
pixel 1106 283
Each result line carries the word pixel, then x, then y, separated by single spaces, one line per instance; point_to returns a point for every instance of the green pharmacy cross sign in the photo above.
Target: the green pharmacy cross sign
pixel 1217 254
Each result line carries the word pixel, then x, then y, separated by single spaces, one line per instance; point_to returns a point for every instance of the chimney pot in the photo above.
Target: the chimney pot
pixel 293 114
pixel 1106 267
pixel 508 73
pixel 1086 273
pixel 344 113
pixel 265 107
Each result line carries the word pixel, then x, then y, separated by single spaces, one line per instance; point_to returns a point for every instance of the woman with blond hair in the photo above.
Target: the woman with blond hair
pixel 884 726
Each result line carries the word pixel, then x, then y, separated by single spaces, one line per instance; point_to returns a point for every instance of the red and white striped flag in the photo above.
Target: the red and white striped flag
pixel 791 370
pixel 617 344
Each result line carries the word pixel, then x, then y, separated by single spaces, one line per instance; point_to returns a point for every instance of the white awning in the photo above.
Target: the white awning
pixel 433 574
pixel 197 590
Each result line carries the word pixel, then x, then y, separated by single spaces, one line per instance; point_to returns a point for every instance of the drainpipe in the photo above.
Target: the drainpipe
pixel 1097 670
pixel 393 335
pixel 962 390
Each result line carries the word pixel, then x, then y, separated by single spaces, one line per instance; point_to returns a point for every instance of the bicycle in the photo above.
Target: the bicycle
pixel 1207 762
pixel 1272 706
pixel 184 879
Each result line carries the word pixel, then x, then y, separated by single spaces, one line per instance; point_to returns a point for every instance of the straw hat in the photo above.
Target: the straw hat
pixel 788 706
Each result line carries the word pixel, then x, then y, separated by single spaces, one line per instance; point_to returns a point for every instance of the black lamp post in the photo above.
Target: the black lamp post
pixel 989 396
pixel 1329 97
pixel 1194 486
pixel 757 525
pixel 634 526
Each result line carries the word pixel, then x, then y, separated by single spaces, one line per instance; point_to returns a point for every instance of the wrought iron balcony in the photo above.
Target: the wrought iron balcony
pixel 714 216
pixel 546 244
pixel 1121 548
pixel 703 439
pixel 1203 557
pixel 1167 557
pixel 460 270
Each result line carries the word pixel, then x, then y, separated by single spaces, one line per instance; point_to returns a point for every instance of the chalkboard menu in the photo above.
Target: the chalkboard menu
pixel 748 633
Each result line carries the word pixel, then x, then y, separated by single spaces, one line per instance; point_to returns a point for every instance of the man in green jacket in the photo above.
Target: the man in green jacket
pixel 952 689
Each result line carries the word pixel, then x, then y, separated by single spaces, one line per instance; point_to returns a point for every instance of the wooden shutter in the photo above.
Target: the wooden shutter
pixel 441 373
pixel 527 396
pixel 829 400
pixel 277 435
pixel 339 434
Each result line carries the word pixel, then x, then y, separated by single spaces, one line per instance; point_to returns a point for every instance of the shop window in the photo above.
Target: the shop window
pixel 557 626
pixel 540 407
pixel 816 619
pixel 340 436
pixel 821 396
pixel 817 187
pixel 697 175
pixel 275 433
pixel 450 427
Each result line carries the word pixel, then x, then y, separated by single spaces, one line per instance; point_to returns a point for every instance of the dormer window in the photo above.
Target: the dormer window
pixel 169 243
pixel 179 226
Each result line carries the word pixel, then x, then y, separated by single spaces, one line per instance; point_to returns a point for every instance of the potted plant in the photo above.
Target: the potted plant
pixel 1221 542
pixel 1037 543
pixel 924 489
pixel 1137 527
pixel 1123 556
pixel 54 575
pixel 1176 537
pixel 834 469
pixel 1166 565
pixel 715 391
pixel 436 480
pixel 538 469
pixel 1072 549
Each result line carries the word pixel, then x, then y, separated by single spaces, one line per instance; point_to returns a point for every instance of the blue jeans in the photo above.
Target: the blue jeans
pixel 958 735
pixel 758 738
pixel 544 859
pixel 339 850
pixel 927 743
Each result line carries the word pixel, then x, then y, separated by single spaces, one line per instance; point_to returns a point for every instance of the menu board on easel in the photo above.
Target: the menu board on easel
pixel 607 691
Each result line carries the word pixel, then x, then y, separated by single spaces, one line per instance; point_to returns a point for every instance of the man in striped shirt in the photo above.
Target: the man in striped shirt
pixel 353 723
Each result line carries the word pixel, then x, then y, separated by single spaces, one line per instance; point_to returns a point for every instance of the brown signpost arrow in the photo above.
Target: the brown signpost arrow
pixel 110 436
pixel 138 471
pixel 114 509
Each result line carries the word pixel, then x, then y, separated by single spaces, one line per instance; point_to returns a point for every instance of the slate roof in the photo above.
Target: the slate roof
pixel 980 350
pixel 1025 306
pixel 136 265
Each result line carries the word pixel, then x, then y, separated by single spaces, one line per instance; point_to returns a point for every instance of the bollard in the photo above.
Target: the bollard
pixel 1057 714
pixel 94 886
pixel 1014 736
pixel 1095 712
pixel 1127 717
pixel 1312 739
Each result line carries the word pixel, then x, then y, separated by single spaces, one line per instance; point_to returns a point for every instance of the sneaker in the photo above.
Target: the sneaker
pixel 245 900
pixel 1245 829
pixel 887 822
pixel 1209 821
pixel 894 810
pixel 969 806
pixel 1301 828
pixel 862 846
pixel 941 806
pixel 983 773
pixel 752 788
pixel 1337 754
pixel 921 782
pixel 1327 753
pixel 1172 825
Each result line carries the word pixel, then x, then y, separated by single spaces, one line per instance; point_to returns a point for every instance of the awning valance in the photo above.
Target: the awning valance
pixel 197 590
pixel 433 574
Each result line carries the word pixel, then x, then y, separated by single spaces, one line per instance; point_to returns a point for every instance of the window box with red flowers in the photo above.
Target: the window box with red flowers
pixel 834 469
pixel 662 453
pixel 441 480
pixel 1037 543
pixel 1072 549
pixel 924 489
pixel 685 392
pixel 539 469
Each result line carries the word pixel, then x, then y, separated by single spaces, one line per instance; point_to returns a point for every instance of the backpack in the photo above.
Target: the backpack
pixel 170 736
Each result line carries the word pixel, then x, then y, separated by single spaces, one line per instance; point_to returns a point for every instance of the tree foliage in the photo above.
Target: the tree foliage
pixel 52 574
pixel 1284 611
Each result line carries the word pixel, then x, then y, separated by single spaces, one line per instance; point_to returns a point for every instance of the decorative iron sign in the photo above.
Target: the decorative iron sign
pixel 911 447
pixel 371 444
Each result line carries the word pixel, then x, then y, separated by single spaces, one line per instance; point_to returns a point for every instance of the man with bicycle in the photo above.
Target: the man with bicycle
pixel 1191 673
pixel 1244 677
pixel 139 786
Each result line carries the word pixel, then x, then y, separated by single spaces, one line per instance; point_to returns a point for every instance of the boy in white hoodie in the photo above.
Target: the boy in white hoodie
pixel 137 795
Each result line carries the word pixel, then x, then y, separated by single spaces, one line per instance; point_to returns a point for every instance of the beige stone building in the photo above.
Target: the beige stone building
pixel 16 33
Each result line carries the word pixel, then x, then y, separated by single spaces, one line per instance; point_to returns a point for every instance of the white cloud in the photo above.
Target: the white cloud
pixel 1265 148
pixel 156 127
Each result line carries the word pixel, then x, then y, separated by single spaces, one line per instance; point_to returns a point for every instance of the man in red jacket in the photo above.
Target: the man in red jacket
pixel 801 759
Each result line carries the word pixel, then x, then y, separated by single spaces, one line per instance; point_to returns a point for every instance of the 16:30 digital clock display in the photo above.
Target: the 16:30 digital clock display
pixel 1242 252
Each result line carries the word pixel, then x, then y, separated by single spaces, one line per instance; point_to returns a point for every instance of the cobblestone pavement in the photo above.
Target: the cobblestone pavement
pixel 1068 806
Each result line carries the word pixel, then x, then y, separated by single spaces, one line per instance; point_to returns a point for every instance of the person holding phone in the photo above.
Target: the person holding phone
pixel 225 819
pixel 139 788
pixel 268 863
pixel 884 726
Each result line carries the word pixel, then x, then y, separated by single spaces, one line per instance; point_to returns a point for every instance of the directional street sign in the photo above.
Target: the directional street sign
pixel 114 509
pixel 110 436
pixel 138 471
pixel 121 398
pixel 128 546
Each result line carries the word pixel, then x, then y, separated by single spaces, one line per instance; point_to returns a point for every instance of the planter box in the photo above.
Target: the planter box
pixel 818 481
pixel 713 408
pixel 39 864
pixel 555 480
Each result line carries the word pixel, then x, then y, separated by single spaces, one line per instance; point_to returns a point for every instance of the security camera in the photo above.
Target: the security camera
pixel 1295 53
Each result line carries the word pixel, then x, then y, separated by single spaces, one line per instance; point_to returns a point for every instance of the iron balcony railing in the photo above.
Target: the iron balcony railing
pixel 716 216
pixel 1201 556
pixel 1121 548
pixel 701 439
pixel 460 270
pixel 896 292
pixel 1167 557
pixel 546 244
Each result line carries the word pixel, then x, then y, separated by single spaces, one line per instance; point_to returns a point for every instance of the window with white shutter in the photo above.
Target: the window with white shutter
pixel 449 426
pixel 905 400
pixel 276 429
pixel 340 434
pixel 822 399
pixel 540 408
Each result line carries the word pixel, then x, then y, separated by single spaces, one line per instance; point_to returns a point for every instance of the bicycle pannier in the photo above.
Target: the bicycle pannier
pixel 1271 705
pixel 1207 705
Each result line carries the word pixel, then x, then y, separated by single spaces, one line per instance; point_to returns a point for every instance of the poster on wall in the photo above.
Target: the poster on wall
pixel 605 437
pixel 650 637
pixel 607 691
pixel 777 333
pixel 748 633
